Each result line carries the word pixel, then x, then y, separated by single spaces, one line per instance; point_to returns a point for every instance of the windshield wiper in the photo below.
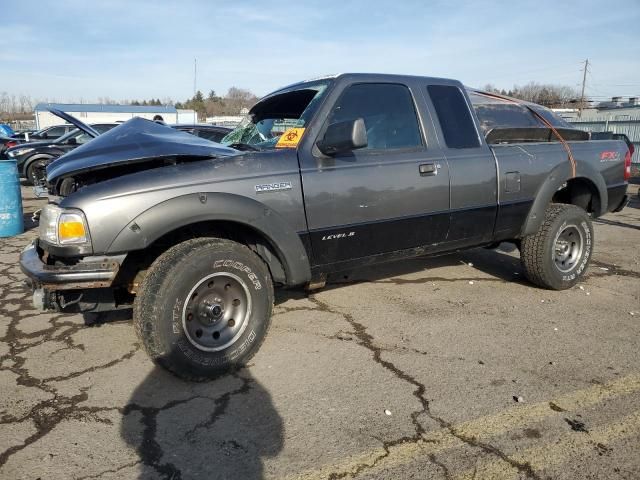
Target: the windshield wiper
pixel 243 147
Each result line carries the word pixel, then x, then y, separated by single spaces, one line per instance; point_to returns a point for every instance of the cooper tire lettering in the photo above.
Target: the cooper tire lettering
pixel 164 295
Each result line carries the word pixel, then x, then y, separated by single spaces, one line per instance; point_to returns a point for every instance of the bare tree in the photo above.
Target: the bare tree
pixel 26 104
pixel 546 94
pixel 13 104
pixel 4 102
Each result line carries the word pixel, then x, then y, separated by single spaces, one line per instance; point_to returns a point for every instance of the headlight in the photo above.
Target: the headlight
pixel 63 226
pixel 19 151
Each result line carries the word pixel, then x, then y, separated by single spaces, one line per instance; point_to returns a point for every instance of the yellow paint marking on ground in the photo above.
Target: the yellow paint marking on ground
pixel 559 451
pixel 480 428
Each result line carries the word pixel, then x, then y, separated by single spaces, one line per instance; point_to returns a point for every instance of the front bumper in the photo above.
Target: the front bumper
pixel 88 272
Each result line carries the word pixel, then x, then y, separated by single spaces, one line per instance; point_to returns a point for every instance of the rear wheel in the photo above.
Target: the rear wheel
pixel 204 307
pixel 557 255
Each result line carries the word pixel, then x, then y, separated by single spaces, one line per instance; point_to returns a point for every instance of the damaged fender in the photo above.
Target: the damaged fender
pixel 190 209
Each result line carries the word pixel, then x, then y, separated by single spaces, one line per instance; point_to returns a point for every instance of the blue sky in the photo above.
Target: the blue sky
pixel 72 50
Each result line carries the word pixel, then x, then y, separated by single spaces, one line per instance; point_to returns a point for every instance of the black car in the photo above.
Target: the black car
pixel 204 130
pixel 49 133
pixel 33 157
pixel 8 142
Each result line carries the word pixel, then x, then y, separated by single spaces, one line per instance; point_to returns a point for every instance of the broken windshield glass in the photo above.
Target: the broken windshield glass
pixel 272 116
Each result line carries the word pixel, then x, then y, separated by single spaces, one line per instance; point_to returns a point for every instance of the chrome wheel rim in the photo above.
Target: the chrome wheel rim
pixel 568 248
pixel 216 311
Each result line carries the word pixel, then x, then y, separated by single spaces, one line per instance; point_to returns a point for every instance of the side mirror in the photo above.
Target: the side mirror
pixel 343 137
pixel 45 135
pixel 72 141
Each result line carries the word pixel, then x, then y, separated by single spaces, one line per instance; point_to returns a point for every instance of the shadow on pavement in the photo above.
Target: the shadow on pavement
pixel 494 262
pixel 604 221
pixel 219 429
pixel 29 224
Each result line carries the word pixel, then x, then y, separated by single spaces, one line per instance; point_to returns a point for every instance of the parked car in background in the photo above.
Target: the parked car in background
pixel 210 132
pixel 50 133
pixel 8 142
pixel 6 130
pixel 33 157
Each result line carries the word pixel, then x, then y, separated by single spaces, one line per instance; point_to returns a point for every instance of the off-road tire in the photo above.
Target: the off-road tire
pixel 166 293
pixel 538 252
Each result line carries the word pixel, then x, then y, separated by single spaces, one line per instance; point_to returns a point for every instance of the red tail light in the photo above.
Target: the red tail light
pixel 627 164
pixel 11 144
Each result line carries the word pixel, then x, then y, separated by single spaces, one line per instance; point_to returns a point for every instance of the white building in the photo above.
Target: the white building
pixel 225 120
pixel 228 120
pixel 97 113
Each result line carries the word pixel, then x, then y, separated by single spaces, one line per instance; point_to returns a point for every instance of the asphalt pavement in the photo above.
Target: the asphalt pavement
pixel 447 368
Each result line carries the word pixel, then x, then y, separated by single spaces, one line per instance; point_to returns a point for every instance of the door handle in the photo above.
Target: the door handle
pixel 428 169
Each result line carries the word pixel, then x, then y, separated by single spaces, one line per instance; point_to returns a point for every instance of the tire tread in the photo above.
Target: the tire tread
pixel 532 251
pixel 144 306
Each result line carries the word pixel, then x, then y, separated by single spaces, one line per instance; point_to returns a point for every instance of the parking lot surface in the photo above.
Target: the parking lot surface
pixel 453 367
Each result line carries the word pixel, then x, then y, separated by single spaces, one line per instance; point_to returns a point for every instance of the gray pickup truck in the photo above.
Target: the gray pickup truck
pixel 322 176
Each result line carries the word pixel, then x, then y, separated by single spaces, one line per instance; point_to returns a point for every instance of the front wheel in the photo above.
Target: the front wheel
pixel 204 307
pixel 557 255
pixel 34 171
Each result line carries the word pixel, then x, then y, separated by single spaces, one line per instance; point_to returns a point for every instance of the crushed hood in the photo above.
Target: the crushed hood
pixel 136 140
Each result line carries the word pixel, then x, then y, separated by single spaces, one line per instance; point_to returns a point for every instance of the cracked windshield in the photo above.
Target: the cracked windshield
pixel 271 117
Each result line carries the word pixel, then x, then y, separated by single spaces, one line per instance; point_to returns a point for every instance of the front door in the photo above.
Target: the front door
pixel 392 195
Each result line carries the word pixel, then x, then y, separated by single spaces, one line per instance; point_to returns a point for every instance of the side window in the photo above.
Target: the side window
pixel 388 113
pixel 495 113
pixel 454 115
pixel 83 138
pixel 56 132
pixel 212 135
pixel 102 128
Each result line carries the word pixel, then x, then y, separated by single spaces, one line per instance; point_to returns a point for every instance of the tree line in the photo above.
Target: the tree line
pixel 553 96
pixel 231 103
pixel 236 99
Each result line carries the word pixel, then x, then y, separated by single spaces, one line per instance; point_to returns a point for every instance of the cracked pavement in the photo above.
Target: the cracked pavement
pixel 405 370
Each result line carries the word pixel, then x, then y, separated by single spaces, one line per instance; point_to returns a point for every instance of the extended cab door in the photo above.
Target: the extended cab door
pixel 391 195
pixel 472 166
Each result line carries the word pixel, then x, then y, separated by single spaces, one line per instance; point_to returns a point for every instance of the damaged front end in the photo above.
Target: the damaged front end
pixel 136 145
pixel 62 267
pixel 74 284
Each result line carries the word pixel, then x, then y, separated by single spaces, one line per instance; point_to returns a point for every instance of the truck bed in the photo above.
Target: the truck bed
pixel 525 169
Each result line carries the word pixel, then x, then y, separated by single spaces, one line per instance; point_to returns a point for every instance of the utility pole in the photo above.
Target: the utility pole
pixel 195 76
pixel 584 81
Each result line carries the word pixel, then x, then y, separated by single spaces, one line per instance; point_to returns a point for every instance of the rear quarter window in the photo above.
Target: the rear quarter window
pixel 497 113
pixel 454 116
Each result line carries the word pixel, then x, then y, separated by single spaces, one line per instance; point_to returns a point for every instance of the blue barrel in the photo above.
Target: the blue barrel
pixel 11 222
